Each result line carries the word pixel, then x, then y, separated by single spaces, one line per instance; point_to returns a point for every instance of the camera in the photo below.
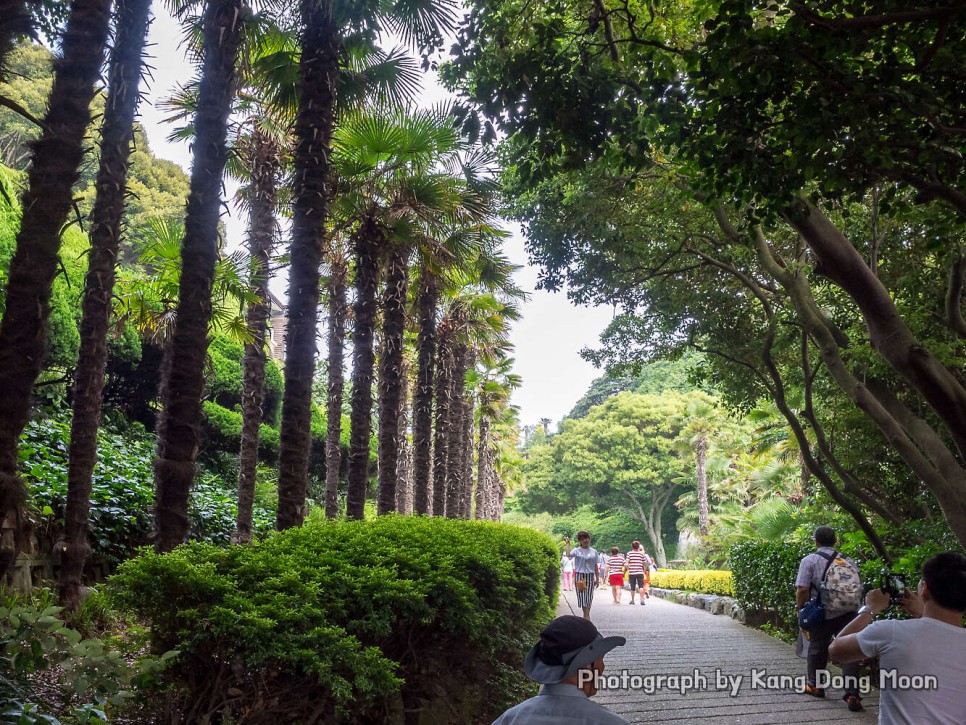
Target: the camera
pixel 894 585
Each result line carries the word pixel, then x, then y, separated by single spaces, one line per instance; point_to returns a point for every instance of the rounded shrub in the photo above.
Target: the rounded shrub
pixel 350 621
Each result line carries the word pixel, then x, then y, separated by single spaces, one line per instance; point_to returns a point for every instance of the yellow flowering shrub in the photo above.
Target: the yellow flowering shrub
pixel 706 581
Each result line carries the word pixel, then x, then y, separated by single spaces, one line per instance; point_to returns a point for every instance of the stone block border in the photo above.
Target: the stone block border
pixel 716 604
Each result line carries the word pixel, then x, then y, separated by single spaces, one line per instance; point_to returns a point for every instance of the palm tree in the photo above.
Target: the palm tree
pixel 54 169
pixel 325 32
pixel 262 154
pixel 15 22
pixel 699 423
pixel 369 239
pixel 493 386
pixel 182 383
pixel 117 134
pixel 427 299
pixel 336 284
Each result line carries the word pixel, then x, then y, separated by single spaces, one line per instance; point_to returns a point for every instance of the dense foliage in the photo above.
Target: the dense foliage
pixel 378 615
pixel 122 492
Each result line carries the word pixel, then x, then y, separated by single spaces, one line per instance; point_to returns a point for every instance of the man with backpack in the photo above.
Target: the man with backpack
pixel 834 582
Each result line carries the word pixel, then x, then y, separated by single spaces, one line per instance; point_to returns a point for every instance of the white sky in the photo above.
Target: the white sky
pixel 546 340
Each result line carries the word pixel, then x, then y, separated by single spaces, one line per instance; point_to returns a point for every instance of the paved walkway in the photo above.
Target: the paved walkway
pixel 665 639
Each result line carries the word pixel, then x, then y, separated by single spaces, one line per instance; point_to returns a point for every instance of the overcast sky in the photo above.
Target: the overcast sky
pixel 546 340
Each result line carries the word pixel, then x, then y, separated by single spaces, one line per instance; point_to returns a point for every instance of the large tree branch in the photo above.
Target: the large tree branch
pixel 840 262
pixel 804 446
pixel 873 22
pixel 852 485
pixel 949 486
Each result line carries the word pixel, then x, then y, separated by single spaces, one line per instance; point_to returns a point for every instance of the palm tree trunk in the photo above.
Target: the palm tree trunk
pixel 404 465
pixel 117 135
pixel 391 379
pixel 701 453
pixel 483 486
pixel 467 477
pixel 183 382
pixel 338 273
pixel 318 70
pixel 455 432
pixel 46 203
pixel 15 22
pixel 369 240
pixel 444 374
pixel 265 166
pixel 427 299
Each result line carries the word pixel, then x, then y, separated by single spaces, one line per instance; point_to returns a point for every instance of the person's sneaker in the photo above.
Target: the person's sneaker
pixel 814 691
pixel 642 602
pixel 854 702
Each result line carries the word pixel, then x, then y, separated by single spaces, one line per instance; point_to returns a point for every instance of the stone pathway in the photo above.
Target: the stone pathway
pixel 710 657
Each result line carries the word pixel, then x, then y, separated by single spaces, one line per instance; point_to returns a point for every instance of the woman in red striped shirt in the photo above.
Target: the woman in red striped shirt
pixel 615 573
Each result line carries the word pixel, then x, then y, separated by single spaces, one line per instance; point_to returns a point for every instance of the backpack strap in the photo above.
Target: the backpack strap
pixel 828 565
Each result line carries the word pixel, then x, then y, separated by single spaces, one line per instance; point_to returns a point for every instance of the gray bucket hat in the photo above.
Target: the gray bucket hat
pixel 566 645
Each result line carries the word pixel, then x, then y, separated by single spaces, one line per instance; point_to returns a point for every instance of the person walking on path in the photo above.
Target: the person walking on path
pixel 585 570
pixel 635 563
pixel 615 573
pixel 567 573
pixel 811 579
pixel 602 568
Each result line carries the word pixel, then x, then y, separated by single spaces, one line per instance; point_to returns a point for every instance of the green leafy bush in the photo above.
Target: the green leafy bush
pixel 88 677
pixel 122 489
pixel 223 429
pixel 351 621
pixel 763 576
pixel 706 581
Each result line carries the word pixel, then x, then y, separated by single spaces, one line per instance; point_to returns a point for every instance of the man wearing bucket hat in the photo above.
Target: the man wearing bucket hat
pixel 565 662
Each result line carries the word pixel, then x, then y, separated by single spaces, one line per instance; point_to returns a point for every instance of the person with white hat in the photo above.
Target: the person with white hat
pixel 566 662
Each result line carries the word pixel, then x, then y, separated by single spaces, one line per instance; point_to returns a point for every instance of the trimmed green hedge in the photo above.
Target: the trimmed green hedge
pixel 351 621
pixel 706 581
pixel 764 574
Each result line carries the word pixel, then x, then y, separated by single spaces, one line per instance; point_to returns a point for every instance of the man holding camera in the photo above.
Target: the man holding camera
pixel 810 579
pixel 922 661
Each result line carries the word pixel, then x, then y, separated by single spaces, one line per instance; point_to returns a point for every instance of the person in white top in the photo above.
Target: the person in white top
pixel 585 570
pixel 922 661
pixel 567 573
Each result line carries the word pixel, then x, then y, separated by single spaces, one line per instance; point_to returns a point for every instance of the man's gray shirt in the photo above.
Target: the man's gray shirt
pixel 559 704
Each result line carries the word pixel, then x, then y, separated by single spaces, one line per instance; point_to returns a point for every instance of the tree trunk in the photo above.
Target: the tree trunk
pixel 943 474
pixel 369 240
pixel 183 381
pixel 15 22
pixel 484 487
pixel 700 454
pixel 456 434
pixel 427 299
pixel 404 466
pixel 338 273
pixel 391 379
pixel 840 262
pixel 46 203
pixel 467 474
pixel 312 194
pixel 265 166
pixel 117 135
pixel 444 376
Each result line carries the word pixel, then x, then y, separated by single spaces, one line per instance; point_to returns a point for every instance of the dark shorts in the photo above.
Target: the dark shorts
pixel 637 581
